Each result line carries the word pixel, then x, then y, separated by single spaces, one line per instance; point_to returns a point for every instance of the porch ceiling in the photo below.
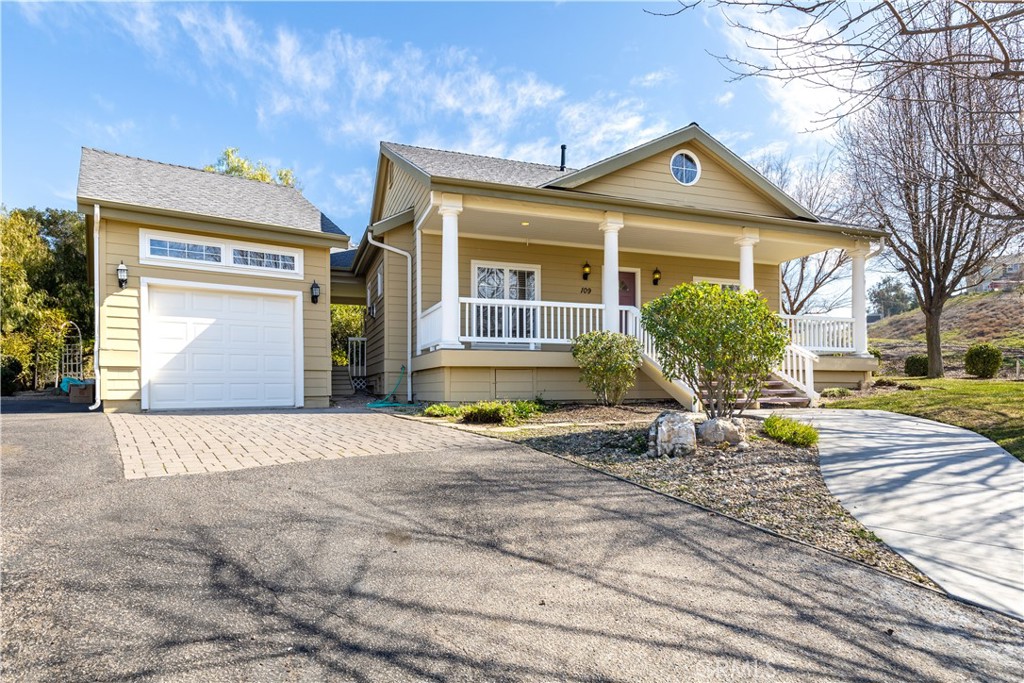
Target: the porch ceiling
pixel 641 234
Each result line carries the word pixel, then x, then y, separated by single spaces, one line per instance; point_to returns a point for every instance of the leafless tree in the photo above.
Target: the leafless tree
pixel 809 283
pixel 861 50
pixel 894 155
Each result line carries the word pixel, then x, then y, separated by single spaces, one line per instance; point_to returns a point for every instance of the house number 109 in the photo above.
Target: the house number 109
pixel 585 290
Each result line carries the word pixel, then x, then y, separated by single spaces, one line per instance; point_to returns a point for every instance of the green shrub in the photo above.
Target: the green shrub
pixel 916 365
pixel 983 360
pixel 441 410
pixel 490 412
pixel 836 392
pixel 723 344
pixel 790 431
pixel 884 382
pixel 608 363
pixel 10 368
pixel 908 386
pixel 524 410
pixel 876 352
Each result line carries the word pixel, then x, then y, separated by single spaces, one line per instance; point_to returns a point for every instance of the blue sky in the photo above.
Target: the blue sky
pixel 316 86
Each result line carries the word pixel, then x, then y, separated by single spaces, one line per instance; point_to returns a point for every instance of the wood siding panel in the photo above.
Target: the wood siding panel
pixel 717 188
pixel 401 192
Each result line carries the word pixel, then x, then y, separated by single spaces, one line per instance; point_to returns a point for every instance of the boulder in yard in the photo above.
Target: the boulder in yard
pixel 723 429
pixel 673 434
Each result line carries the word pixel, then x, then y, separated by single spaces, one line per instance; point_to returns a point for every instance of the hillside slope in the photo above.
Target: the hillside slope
pixel 996 317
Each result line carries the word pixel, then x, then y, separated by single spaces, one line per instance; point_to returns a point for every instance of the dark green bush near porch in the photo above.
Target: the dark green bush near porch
pixel 608 363
pixel 916 366
pixel 983 360
pixel 790 431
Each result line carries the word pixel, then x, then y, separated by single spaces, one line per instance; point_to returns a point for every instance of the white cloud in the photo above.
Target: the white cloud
pixel 800 107
pixel 606 124
pixel 725 99
pixel 729 138
pixel 360 90
pixel 649 80
pixel 354 191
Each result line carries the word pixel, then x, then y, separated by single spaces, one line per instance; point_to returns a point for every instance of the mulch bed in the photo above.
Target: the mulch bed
pixel 772 485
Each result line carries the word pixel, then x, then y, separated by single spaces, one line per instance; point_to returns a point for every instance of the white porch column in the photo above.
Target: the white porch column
pixel 858 289
pixel 746 242
pixel 610 226
pixel 451 207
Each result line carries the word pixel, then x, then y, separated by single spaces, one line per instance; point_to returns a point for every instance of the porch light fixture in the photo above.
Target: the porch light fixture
pixel 314 292
pixel 656 277
pixel 586 270
pixel 122 275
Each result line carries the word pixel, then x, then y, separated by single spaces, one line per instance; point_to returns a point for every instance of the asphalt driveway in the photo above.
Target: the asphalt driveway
pixel 490 562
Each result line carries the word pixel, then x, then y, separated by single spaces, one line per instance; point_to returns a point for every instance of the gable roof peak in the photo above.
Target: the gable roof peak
pixel 690 133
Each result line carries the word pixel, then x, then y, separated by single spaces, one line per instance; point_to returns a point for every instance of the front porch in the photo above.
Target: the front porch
pixel 502 287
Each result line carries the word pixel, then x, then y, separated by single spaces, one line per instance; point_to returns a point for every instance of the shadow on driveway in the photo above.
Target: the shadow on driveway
pixel 495 563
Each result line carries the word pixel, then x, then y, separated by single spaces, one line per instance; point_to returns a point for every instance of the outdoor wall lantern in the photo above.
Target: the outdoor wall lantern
pixel 314 292
pixel 656 277
pixel 122 275
pixel 586 270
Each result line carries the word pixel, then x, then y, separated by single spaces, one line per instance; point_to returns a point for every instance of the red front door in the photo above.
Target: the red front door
pixel 627 297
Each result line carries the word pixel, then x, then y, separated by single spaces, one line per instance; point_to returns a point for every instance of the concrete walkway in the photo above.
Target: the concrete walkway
pixel 947 499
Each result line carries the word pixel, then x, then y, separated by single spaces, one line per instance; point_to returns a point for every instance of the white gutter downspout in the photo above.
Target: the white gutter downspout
pixel 96 302
pixel 408 307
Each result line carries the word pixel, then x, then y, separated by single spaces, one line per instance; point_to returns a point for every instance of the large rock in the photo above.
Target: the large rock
pixel 673 435
pixel 723 429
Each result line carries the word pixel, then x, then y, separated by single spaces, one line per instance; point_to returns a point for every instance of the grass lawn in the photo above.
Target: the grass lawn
pixel 992 408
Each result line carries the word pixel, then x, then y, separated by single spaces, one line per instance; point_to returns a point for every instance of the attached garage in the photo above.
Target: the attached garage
pixel 212 291
pixel 205 346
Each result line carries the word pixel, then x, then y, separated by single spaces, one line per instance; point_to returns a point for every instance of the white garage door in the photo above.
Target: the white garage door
pixel 213 349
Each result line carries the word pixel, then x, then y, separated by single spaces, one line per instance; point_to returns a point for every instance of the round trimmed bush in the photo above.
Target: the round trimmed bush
pixel 983 360
pixel 916 365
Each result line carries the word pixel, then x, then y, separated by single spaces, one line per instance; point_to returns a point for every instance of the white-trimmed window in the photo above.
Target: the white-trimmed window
pixel 196 252
pixel 185 250
pixel 252 258
pixel 380 281
pixel 505 282
pixel 724 283
pixel 685 167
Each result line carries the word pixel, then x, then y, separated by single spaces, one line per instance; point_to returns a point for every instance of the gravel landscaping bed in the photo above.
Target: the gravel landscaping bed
pixel 770 484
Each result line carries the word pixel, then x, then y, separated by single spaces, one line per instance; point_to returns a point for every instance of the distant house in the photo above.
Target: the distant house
pixel 1000 274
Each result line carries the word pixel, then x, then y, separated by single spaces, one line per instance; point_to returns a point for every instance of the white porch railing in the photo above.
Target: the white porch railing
pixel 357 357
pixel 513 321
pixel 797 369
pixel 428 332
pixel 821 334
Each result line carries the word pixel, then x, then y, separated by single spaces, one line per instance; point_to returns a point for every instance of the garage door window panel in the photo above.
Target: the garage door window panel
pixel 225 255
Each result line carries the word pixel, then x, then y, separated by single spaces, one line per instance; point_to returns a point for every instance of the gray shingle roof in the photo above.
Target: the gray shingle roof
pixel 106 176
pixel 343 259
pixel 462 166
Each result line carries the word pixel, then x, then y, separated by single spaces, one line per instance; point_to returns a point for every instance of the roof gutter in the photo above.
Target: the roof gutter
pixel 408 306
pixel 117 209
pixel 96 304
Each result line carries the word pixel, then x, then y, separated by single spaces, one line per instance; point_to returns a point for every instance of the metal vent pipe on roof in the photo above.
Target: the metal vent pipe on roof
pixel 561 166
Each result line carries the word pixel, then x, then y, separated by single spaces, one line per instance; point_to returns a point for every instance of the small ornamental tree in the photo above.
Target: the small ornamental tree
pixel 608 363
pixel 724 344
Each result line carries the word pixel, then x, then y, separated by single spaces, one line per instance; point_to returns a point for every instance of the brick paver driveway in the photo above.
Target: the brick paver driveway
pixel 164 444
